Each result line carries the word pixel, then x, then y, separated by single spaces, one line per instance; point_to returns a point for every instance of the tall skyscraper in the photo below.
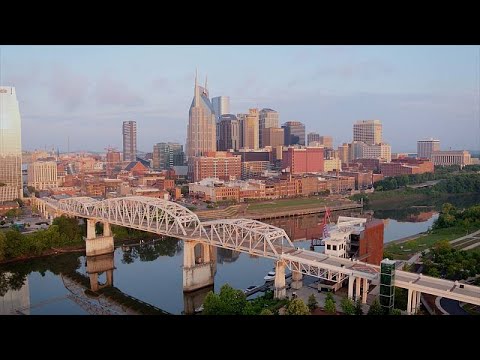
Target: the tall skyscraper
pixel 267 118
pixel 294 133
pixel 344 153
pixel 201 129
pixel 368 131
pixel 228 131
pixel 426 147
pixel 250 130
pixel 221 106
pixel 166 155
pixel 313 136
pixel 241 122
pixel 10 146
pixel 129 140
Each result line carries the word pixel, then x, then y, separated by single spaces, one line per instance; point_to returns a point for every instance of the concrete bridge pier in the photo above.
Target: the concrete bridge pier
pixel 98 245
pixel 297 282
pixel 97 265
pixel 199 265
pixel 280 289
pixel 413 301
pixel 351 280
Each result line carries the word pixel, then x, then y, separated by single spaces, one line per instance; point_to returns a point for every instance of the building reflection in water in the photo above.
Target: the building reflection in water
pixel 300 228
pixel 193 300
pixel 15 302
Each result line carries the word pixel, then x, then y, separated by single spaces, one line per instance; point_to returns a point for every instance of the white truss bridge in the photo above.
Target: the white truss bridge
pixel 245 235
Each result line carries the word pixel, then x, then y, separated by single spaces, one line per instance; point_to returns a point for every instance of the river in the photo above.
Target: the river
pixel 152 272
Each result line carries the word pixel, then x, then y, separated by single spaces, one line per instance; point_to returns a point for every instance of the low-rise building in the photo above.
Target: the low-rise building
pixel 42 175
pixel 446 158
pixel 406 166
pixel 251 169
pixel 220 164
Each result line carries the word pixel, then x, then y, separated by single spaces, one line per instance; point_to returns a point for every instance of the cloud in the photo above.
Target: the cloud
pixel 110 91
pixel 68 88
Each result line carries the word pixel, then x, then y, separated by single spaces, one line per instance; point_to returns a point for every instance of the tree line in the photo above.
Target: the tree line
pixel 63 232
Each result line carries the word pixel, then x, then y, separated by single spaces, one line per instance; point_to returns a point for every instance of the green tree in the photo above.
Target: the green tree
pixel 297 307
pixel 3 245
pixel 347 305
pixel 375 308
pixel 212 305
pixel 228 302
pixel 234 300
pixel 266 312
pixel 15 244
pixel 69 228
pixel 312 302
pixel 249 309
pixel 358 307
pixel 396 312
pixel 330 307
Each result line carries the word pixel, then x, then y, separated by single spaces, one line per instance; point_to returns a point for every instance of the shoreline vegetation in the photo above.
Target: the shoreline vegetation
pixel 65 235
pixel 450 225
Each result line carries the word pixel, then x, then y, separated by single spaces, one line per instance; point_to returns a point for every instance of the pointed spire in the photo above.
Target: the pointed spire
pixel 206 82
pixel 196 97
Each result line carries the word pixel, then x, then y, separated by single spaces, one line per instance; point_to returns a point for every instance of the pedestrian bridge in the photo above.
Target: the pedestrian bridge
pixel 245 235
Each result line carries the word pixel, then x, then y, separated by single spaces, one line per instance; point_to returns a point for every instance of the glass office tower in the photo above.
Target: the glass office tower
pixel 10 146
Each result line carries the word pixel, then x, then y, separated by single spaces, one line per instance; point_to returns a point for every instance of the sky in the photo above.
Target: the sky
pixel 80 95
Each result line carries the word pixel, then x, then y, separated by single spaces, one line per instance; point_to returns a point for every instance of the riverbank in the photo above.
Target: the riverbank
pixel 404 198
pixel 279 208
pixel 50 252
pixel 403 249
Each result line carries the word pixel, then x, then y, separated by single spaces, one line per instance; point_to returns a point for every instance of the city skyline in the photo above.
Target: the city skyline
pixel 71 90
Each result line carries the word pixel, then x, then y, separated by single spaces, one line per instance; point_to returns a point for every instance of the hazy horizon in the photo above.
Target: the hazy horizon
pixel 84 93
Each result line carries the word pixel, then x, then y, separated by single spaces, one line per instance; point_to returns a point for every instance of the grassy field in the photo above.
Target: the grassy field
pixel 288 204
pixel 405 250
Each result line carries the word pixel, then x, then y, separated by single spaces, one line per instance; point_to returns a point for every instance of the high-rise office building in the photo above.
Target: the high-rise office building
pixel 167 155
pixel 228 132
pixel 267 118
pixel 326 141
pixel 294 133
pixel 426 147
pixel 113 165
pixel 344 153
pixel 368 131
pixel 10 146
pixel 313 136
pixel 273 137
pixel 241 121
pixel 250 130
pixel 129 141
pixel 201 129
pixel 221 106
